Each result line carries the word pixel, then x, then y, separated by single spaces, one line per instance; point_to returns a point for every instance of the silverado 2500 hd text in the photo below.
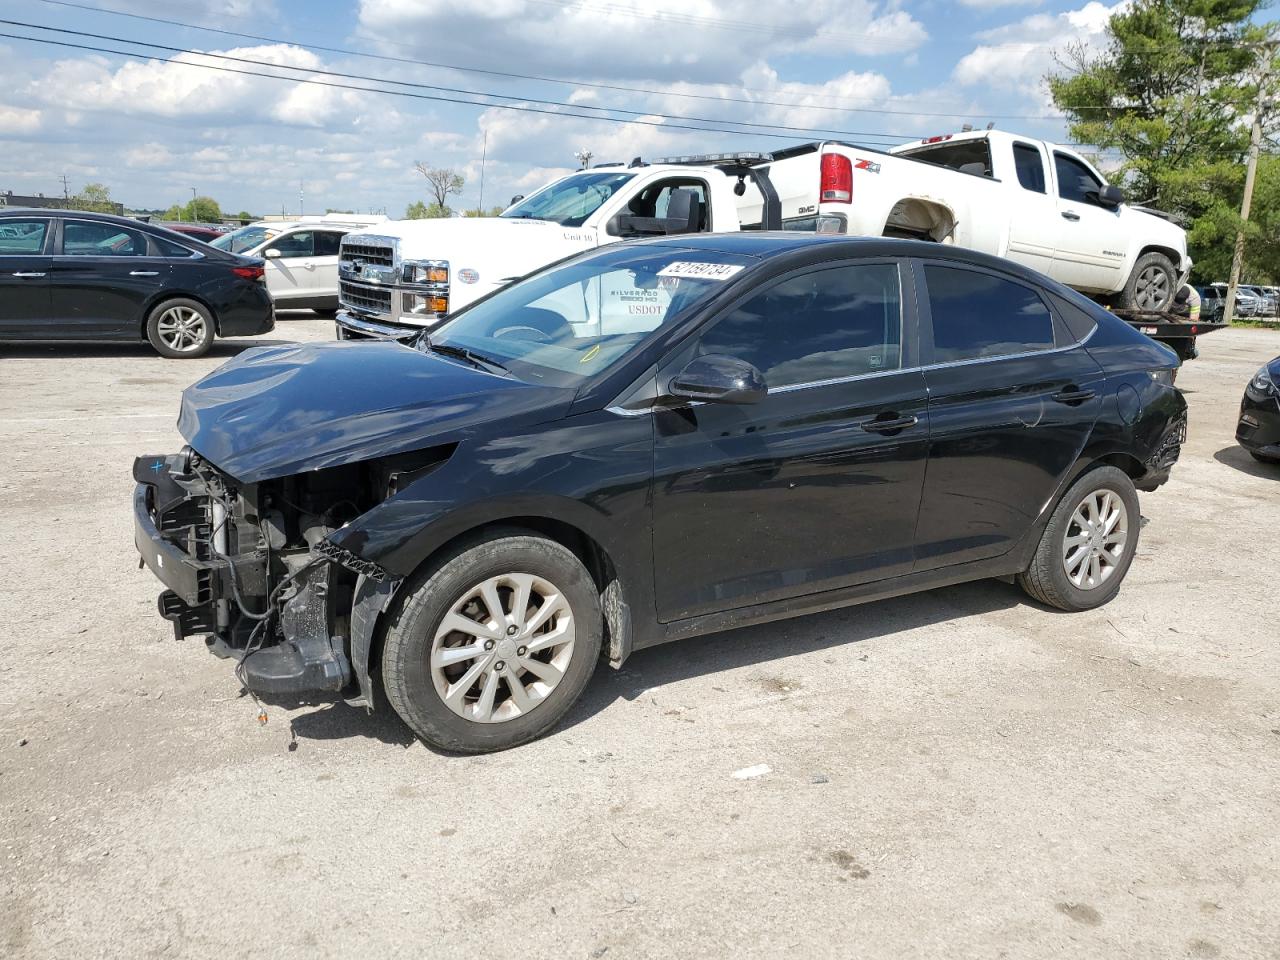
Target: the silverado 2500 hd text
pixel 1030 201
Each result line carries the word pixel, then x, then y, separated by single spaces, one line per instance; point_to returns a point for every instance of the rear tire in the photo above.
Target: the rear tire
pixel 180 329
pixel 490 647
pixel 1151 286
pixel 1088 544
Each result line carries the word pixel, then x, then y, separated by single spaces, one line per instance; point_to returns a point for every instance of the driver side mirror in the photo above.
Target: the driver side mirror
pixel 715 378
pixel 1110 196
pixel 272 254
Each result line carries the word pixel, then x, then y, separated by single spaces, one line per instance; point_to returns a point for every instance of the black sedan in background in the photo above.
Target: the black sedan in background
pixel 650 441
pixel 1258 430
pixel 67 275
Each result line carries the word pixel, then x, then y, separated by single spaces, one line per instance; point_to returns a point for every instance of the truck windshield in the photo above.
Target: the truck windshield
pixel 576 320
pixel 569 201
pixel 238 241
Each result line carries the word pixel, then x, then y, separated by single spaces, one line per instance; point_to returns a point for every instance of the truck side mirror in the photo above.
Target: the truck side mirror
pixel 1110 196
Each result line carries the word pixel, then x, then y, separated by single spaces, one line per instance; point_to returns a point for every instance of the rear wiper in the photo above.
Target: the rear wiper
pixel 473 358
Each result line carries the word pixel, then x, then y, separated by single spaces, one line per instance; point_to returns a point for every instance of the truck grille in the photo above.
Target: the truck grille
pixel 374 253
pixel 364 297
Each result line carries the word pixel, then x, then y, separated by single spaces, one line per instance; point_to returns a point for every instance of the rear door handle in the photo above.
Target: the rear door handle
pixel 144 273
pixel 28 274
pixel 1073 395
pixel 889 424
pixel 1070 215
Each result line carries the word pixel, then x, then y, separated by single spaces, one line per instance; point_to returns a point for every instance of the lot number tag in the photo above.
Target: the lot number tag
pixel 700 271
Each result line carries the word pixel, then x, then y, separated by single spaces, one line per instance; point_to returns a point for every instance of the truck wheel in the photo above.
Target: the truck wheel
pixel 1088 544
pixel 180 329
pixel 491 647
pixel 1151 286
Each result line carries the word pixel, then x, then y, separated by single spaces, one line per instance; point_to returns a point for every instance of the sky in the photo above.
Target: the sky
pixel 876 73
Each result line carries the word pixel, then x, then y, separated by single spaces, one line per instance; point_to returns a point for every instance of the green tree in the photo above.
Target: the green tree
pixel 443 183
pixel 1172 91
pixel 244 215
pixel 418 210
pixel 173 213
pixel 477 212
pixel 95 197
pixel 202 210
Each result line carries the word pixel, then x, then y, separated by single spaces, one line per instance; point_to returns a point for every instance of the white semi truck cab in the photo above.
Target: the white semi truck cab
pixel 404 276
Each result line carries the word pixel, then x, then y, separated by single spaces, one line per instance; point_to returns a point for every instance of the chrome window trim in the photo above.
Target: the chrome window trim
pixel 835 381
pixel 1013 356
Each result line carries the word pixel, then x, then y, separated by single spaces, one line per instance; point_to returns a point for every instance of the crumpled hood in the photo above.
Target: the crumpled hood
pixel 276 411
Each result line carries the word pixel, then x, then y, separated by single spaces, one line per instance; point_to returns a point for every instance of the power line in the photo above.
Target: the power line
pixel 403 93
pixel 540 79
pixel 426 86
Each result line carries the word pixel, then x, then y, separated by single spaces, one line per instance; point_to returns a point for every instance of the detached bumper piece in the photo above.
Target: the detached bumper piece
pixel 1160 465
pixel 295 651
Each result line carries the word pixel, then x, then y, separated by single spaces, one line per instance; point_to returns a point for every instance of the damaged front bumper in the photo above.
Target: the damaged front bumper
pixel 281 612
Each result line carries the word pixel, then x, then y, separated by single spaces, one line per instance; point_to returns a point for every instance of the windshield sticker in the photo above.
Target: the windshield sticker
pixel 700 271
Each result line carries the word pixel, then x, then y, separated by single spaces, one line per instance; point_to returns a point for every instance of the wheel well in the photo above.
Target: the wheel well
pixel 617 639
pixel 1130 464
pixel 171 295
pixel 923 219
pixel 1174 257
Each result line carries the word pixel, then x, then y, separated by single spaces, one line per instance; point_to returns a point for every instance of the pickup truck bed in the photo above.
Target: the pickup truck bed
pixel 1175 331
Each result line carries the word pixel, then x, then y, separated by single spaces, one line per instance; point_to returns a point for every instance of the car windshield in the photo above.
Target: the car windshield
pixel 570 201
pixel 575 321
pixel 238 241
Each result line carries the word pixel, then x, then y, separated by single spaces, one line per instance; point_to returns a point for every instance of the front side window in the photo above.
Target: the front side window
pixel 575 321
pixel 1030 165
pixel 569 202
pixel 22 237
pixel 1075 180
pixel 833 323
pixel 978 315
pixel 655 200
pixel 239 241
pixel 300 243
pixel 83 238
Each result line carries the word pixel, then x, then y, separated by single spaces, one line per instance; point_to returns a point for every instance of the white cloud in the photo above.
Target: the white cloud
pixel 19 120
pixel 1018 55
pixel 692 40
pixel 994 4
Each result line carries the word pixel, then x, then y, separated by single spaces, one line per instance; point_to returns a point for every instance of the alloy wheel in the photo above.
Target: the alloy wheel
pixel 1096 539
pixel 502 647
pixel 182 329
pixel 1152 289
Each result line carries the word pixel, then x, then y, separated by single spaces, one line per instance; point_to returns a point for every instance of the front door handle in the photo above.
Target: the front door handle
pixel 889 423
pixel 28 274
pixel 144 273
pixel 1073 395
pixel 1070 215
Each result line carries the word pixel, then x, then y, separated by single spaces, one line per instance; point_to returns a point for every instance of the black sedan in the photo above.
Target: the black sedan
pixel 643 443
pixel 66 275
pixel 1258 429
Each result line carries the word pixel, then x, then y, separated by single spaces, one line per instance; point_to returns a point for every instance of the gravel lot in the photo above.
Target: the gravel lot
pixel 956 774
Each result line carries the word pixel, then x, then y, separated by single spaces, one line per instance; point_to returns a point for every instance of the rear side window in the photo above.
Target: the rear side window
pixel 22 237
pixel 84 238
pixel 978 315
pixel 327 243
pixel 1030 166
pixel 833 323
pixel 967 156
pixel 170 249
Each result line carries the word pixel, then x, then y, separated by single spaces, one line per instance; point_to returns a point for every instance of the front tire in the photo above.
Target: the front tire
pixel 180 329
pixel 1151 286
pixel 491 647
pixel 1088 544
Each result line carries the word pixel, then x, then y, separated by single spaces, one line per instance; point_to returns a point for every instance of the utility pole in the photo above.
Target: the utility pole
pixel 1237 259
pixel 302 209
pixel 484 152
pixel 66 191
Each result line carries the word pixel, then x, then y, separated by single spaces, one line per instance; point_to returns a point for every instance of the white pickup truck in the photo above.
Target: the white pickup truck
pixel 1028 200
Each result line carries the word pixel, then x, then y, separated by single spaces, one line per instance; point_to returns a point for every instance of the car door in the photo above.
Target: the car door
pixel 1033 226
pixel 325 260
pixel 1091 246
pixel 816 486
pixel 25 264
pixel 103 276
pixel 290 268
pixel 1012 401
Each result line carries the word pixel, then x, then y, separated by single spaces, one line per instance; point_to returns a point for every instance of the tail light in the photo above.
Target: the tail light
pixel 249 273
pixel 837 179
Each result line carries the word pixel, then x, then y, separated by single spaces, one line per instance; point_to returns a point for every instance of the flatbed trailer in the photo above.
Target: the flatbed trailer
pixel 1170 329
